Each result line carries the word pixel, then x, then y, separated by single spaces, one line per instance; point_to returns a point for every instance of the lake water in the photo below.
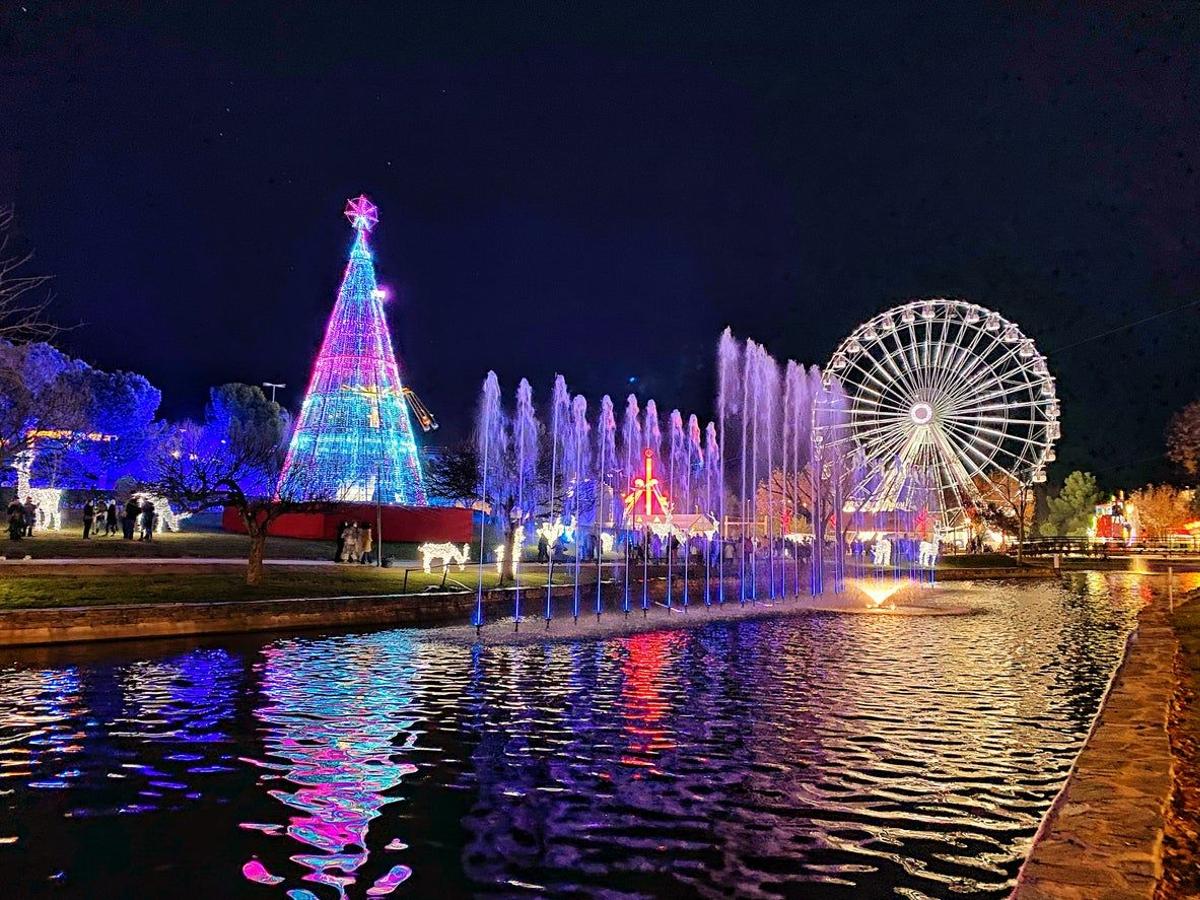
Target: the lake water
pixel 814 755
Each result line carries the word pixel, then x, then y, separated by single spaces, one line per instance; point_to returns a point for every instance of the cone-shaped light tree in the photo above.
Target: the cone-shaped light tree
pixel 354 438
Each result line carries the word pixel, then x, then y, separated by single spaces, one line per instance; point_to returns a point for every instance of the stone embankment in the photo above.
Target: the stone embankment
pixel 1103 836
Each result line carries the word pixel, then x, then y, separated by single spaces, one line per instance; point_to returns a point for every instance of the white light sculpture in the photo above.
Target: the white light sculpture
pixel 48 500
pixel 447 553
pixel 165 518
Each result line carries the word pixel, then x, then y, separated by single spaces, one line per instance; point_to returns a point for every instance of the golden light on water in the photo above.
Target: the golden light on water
pixel 879 592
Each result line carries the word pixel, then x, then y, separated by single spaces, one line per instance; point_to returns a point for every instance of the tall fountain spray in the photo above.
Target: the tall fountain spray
pixel 695 465
pixel 490 447
pixel 606 449
pixel 728 394
pixel 579 469
pixel 652 441
pixel 677 463
pixel 525 443
pixel 712 494
pixel 816 465
pixel 769 381
pixel 631 442
pixel 560 415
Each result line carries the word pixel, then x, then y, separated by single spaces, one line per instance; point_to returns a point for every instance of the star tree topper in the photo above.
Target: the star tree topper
pixel 362 213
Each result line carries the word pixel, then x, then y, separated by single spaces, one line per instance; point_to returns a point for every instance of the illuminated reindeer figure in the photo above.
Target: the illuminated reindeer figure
pixel 48 500
pixel 165 518
pixel 447 553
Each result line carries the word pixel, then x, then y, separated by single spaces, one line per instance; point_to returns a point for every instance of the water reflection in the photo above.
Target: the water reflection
pixel 336 726
pixel 816 755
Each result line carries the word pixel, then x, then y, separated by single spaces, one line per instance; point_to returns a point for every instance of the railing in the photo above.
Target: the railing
pixel 445 572
pixel 1074 546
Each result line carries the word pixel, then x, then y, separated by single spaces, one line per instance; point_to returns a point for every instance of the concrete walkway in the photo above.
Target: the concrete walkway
pixel 1103 836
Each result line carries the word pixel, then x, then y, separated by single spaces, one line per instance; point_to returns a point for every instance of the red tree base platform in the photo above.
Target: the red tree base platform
pixel 415 524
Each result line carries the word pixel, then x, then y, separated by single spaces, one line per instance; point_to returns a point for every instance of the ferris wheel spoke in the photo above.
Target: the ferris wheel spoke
pixel 900 374
pixel 964 361
pixel 988 359
pixel 1002 371
pixel 1002 395
pixel 1013 387
pixel 999 448
pixel 880 387
pixel 918 369
pixel 973 358
pixel 989 407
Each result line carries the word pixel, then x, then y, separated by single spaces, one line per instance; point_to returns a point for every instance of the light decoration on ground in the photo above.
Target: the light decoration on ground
pixel 47 500
pixel 927 556
pixel 354 438
pixel 518 542
pixel 606 542
pixel 499 551
pixel 552 531
pixel 448 554
pixel 881 553
pixel 165 518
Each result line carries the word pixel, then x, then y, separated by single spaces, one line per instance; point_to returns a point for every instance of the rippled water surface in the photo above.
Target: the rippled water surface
pixel 808 756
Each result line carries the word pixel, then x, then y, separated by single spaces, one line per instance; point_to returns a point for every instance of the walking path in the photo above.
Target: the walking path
pixel 1103 836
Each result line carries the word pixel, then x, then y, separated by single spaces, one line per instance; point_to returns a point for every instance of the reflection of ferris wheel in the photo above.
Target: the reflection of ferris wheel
pixel 944 399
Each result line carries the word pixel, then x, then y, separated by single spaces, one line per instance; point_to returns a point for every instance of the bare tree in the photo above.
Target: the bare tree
pixel 22 302
pixel 1008 506
pixel 234 460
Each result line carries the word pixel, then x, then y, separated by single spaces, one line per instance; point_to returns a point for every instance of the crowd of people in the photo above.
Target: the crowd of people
pixel 136 521
pixel 355 543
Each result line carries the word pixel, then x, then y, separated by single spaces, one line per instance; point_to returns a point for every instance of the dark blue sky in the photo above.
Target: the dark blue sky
pixel 599 191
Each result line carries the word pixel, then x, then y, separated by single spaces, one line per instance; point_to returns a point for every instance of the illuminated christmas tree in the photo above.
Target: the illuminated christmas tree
pixel 354 438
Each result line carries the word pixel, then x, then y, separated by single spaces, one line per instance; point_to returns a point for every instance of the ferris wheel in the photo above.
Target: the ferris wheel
pixel 944 401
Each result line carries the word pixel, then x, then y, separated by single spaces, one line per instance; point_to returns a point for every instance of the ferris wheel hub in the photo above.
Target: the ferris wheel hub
pixel 921 413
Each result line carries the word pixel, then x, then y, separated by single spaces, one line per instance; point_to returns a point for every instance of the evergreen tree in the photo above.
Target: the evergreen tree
pixel 1070 513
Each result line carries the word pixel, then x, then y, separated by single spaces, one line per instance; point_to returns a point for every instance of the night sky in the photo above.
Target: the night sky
pixel 600 191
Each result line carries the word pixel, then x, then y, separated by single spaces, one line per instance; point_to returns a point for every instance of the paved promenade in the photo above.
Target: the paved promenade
pixel 1103 837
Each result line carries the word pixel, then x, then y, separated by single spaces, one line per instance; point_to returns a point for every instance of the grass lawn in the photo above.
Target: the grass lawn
pixel 190 544
pixel 1181 844
pixel 39 591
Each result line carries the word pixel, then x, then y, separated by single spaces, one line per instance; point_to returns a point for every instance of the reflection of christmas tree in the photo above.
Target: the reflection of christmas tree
pixel 354 439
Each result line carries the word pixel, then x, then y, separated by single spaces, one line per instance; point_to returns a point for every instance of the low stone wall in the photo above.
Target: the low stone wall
pixel 58 625
pixel 1103 835
pixel 24 627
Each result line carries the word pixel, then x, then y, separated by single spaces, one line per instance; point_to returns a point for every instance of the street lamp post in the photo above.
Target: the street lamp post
pixel 273 387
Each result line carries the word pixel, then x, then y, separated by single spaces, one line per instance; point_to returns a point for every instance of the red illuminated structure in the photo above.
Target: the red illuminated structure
pixel 646 503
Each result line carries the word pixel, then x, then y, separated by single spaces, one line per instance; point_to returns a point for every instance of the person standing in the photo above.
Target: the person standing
pixel 367 543
pixel 340 537
pixel 89 517
pixel 350 547
pixel 110 519
pixel 543 549
pixel 147 520
pixel 130 520
pixel 16 520
pixel 30 515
